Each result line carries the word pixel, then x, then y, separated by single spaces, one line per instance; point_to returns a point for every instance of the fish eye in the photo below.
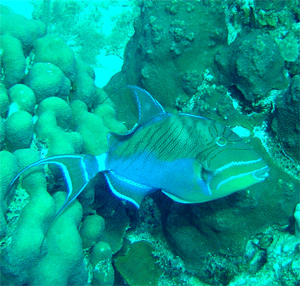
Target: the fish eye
pixel 221 141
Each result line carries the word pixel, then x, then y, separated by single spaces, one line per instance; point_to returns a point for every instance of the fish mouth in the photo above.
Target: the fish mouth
pixel 262 173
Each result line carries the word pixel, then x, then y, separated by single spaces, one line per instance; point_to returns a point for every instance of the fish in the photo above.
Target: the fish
pixel 191 159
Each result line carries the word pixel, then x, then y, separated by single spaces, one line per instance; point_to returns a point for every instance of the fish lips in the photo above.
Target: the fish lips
pixel 262 173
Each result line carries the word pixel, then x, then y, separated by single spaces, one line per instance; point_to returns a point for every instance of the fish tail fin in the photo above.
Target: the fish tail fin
pixel 77 171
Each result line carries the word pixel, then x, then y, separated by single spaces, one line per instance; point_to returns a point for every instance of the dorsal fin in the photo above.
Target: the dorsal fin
pixel 148 108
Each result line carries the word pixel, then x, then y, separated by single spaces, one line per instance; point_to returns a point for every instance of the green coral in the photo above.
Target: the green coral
pixel 289 48
pixel 285 122
pixel 60 262
pixel 2 133
pixel 19 131
pixel 53 127
pixel 253 65
pixel 69 114
pixel 12 60
pixel 4 101
pixel 46 51
pixel 27 31
pixel 138 266
pixel 48 80
pixel 84 88
pixel 101 260
pixel 9 169
pixel 37 120
pixel 21 97
pixel 91 230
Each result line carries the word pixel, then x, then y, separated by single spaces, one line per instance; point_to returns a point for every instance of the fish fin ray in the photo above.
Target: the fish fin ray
pixel 127 189
pixel 148 106
pixel 77 171
pixel 193 116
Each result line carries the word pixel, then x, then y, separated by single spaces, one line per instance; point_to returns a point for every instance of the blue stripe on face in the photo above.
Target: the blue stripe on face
pixel 241 176
pixel 235 176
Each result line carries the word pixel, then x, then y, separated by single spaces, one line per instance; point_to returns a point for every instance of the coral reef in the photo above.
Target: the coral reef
pixel 18 131
pixel 97 31
pixel 84 87
pixel 146 272
pixel 101 260
pixel 297 217
pixel 21 97
pixel 168 36
pixel 253 64
pixel 53 127
pixel 48 107
pixel 45 50
pixel 7 174
pixel 225 226
pixel 235 62
pixel 91 230
pixel 46 80
pixel 12 60
pixel 237 70
pixel 3 100
pixel 285 122
pixel 17 26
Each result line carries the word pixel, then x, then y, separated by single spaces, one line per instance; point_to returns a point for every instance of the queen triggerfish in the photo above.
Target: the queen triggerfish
pixel 190 158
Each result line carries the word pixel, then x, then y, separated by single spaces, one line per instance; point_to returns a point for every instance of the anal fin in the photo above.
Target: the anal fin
pixel 127 189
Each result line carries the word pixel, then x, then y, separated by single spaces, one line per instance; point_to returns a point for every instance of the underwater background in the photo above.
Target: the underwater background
pixel 63 66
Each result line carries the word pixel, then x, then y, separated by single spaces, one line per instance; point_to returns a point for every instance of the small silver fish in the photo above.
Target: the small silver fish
pixel 190 158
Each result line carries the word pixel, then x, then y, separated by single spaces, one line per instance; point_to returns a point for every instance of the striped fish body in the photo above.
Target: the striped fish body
pixel 191 158
pixel 159 155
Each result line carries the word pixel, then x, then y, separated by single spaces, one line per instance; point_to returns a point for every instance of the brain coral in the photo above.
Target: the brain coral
pixel 46 51
pixel 53 127
pixel 84 87
pixel 21 97
pixel 27 31
pixel 61 260
pixel 37 120
pixel 4 101
pixel 48 80
pixel 18 131
pixel 12 60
